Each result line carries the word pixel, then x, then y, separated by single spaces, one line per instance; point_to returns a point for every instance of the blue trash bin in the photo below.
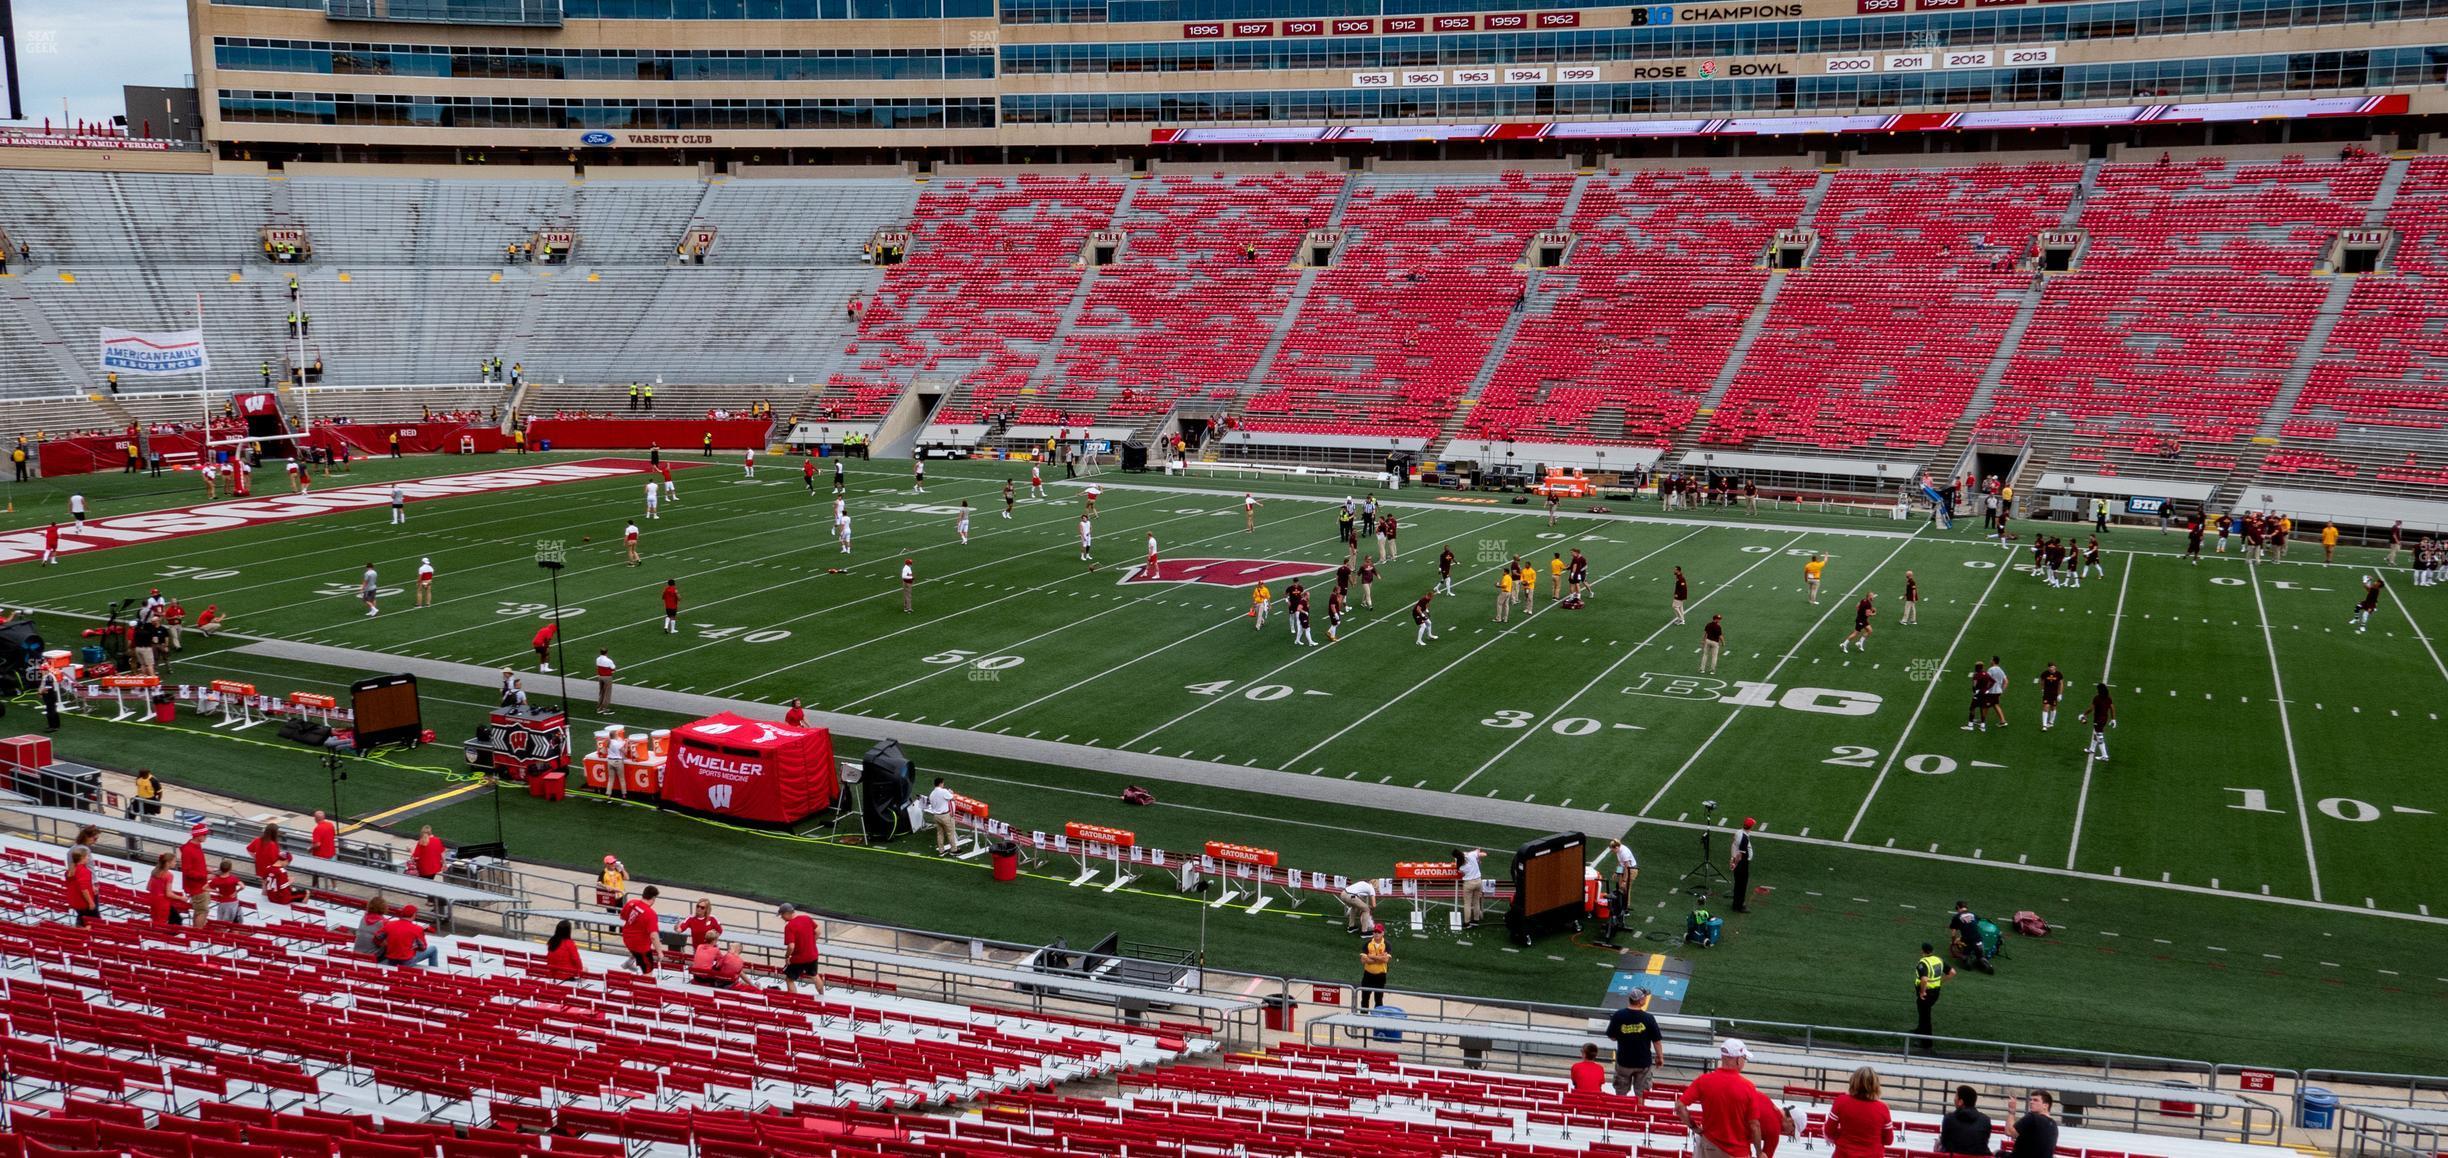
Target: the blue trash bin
pixel 544 445
pixel 2319 1110
pixel 1387 1034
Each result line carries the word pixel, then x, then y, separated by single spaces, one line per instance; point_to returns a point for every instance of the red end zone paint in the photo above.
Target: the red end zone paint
pixel 178 523
pixel 1225 572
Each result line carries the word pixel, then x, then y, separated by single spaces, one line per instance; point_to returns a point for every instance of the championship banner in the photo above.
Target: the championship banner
pixel 162 355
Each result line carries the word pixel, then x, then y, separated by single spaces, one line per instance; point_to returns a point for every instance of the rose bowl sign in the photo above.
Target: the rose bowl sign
pixel 1225 572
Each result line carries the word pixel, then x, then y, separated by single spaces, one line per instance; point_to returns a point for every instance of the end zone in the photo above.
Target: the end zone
pixel 205 518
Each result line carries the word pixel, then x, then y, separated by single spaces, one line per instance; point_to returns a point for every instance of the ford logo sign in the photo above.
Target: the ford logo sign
pixel 596 138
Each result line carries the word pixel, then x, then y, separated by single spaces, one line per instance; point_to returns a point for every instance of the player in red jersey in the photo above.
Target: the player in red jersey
pixel 671 607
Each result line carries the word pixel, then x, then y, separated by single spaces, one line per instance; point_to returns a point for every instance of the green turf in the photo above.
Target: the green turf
pixel 1861 754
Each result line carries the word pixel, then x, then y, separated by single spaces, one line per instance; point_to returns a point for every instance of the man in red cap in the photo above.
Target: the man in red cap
pixel 640 927
pixel 403 940
pixel 195 870
pixel 1741 864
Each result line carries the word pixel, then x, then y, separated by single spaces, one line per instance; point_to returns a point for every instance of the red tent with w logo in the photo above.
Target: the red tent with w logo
pixel 750 770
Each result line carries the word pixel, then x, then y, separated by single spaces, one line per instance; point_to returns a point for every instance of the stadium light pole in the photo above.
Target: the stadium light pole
pixel 552 555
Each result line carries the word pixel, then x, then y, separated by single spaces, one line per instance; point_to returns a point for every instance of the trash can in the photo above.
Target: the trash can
pixel 1006 858
pixel 2319 1110
pixel 544 445
pixel 1393 1035
pixel 165 708
pixel 1279 1013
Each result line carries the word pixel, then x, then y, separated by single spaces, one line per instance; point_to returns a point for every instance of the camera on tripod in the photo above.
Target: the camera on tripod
pixel 1706 872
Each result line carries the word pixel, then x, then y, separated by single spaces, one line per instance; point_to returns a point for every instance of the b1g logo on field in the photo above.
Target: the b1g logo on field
pixel 1823 701
pixel 1224 572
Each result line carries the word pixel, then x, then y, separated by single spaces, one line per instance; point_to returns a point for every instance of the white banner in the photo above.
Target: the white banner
pixel 163 355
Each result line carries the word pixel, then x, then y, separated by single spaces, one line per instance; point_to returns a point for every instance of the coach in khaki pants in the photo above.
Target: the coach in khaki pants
pixel 939 814
pixel 604 670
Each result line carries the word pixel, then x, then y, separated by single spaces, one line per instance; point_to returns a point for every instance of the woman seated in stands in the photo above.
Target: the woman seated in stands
pixel 369 930
pixel 561 957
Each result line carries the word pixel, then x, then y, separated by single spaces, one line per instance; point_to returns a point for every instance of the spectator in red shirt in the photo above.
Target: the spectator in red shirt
pixel 82 899
pixel 425 859
pixel 271 864
pixel 192 871
pixel 702 926
pixel 1771 1122
pixel 1727 1126
pixel 403 941
pixel 798 945
pixel 162 901
pixel 1588 1077
pixel 225 885
pixel 1858 1123
pixel 561 957
pixel 324 839
pixel 715 964
pixel 797 716
pixel 639 928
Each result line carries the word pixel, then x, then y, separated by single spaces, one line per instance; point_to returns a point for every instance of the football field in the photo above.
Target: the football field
pixel 2258 839
pixel 2263 749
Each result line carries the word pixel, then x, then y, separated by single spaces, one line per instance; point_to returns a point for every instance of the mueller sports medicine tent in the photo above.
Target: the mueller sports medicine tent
pixel 752 770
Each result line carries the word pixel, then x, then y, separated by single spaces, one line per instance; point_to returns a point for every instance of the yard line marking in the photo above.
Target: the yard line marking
pixel 1119 606
pixel 1305 654
pixel 2286 731
pixel 1465 656
pixel 1609 670
pixel 2083 798
pixel 2416 628
pixel 1813 629
pixel 1944 665
pixel 613 566
pixel 886 594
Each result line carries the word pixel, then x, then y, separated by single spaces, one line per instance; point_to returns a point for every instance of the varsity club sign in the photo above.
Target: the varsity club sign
pixel 1225 572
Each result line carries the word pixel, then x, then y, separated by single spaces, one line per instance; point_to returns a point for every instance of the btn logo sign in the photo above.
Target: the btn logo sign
pixel 1226 572
pixel 1744 693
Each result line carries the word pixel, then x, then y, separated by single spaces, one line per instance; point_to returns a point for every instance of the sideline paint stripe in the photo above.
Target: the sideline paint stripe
pixel 234 514
pixel 414 806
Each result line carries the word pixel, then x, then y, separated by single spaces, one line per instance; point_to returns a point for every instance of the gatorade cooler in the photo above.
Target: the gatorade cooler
pixel 659 743
pixel 1006 859
pixel 598 771
pixel 638 777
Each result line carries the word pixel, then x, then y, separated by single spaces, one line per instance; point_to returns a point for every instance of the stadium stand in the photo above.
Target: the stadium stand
pixel 2186 312
pixel 1624 342
pixel 1203 275
pixel 1400 324
pixel 2199 336
pixel 273 1037
pixel 2375 402
pixel 993 265
pixel 1879 341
